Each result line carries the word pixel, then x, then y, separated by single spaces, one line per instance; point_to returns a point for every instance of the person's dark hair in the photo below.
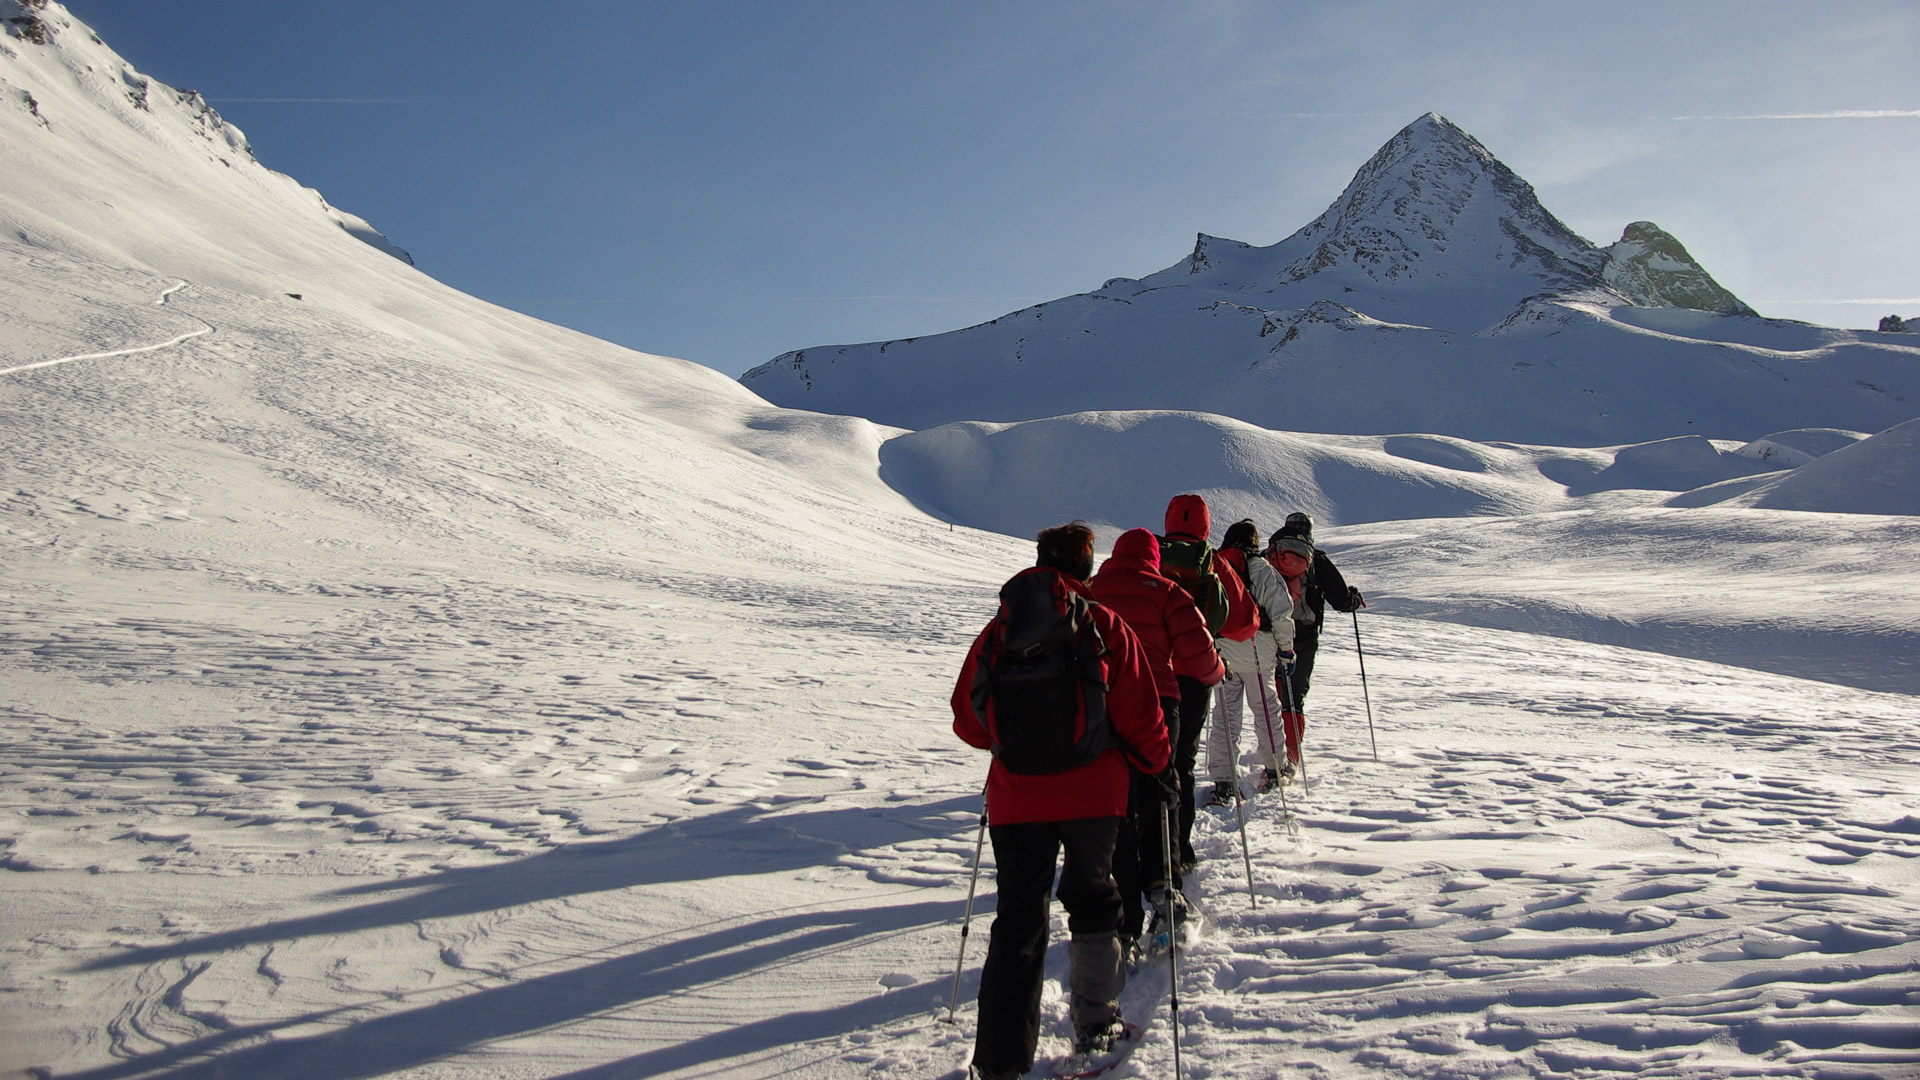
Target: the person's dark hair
pixel 1067 548
pixel 1242 534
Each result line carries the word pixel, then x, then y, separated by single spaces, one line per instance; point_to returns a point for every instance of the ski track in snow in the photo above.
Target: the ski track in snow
pixel 132 351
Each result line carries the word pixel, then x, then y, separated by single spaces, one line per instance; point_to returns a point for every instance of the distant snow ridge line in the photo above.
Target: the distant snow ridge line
pixel 1117 469
pixel 1436 294
pixel 1878 475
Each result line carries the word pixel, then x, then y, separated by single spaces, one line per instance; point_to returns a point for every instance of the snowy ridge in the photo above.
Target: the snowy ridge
pixel 1436 294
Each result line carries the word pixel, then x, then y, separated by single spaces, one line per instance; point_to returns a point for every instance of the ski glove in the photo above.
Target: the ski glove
pixel 1354 599
pixel 1168 780
pixel 1286 662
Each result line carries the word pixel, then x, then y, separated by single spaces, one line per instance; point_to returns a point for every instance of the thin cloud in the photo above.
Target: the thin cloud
pixel 1838 114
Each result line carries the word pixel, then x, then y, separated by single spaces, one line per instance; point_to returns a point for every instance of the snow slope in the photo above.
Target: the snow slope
pixel 1878 475
pixel 392 685
pixel 1435 294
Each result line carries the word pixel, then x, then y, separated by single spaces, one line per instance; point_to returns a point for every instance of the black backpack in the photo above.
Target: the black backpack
pixel 1039 689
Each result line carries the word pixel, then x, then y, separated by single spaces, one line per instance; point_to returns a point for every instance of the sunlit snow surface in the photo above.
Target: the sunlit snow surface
pixel 391 685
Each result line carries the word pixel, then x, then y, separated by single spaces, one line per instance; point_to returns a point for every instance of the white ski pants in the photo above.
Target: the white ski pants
pixel 1250 666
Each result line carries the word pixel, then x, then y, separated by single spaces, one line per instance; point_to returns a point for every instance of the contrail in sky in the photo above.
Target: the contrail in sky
pixel 1838 114
pixel 1873 301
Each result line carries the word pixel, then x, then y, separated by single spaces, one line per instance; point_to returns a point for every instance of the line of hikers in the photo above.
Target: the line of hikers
pixel 1092 691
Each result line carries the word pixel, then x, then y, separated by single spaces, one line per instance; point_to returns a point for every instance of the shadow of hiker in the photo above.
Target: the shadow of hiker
pixel 740 840
pixel 414 1037
pixel 790 1029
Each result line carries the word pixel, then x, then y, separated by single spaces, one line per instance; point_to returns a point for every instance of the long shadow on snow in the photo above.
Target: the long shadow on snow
pixel 740 840
pixel 416 1037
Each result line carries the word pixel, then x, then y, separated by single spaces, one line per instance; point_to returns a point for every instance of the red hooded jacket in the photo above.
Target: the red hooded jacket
pixel 1097 789
pixel 1243 614
pixel 1158 611
pixel 1188 516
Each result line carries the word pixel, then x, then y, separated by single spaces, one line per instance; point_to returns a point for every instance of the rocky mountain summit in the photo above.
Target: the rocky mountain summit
pixel 1652 269
pixel 1435 286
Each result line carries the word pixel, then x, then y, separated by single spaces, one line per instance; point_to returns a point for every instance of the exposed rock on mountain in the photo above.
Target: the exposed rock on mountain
pixel 1650 268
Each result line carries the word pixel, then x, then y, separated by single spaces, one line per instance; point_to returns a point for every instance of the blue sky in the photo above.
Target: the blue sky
pixel 725 181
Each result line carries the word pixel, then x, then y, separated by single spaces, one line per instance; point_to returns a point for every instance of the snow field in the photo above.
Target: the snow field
pixel 392 685
pixel 1546 885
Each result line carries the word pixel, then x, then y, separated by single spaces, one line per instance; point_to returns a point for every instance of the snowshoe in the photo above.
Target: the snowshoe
pixel 1221 795
pixel 1269 780
pixel 1099 1038
pixel 1099 1050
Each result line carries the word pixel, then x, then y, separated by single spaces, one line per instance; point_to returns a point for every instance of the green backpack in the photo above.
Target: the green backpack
pixel 1190 563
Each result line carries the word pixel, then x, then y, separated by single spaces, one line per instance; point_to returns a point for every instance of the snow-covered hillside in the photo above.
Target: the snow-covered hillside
pixel 394 685
pixel 1436 295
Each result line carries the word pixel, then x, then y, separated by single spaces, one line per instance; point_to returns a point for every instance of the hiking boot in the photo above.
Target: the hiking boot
pixel 1157 901
pixel 1269 780
pixel 1221 795
pixel 1099 1038
pixel 975 1072
pixel 1159 938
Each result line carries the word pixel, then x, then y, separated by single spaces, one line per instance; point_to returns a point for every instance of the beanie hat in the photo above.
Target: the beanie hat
pixel 1187 516
pixel 1298 524
pixel 1242 534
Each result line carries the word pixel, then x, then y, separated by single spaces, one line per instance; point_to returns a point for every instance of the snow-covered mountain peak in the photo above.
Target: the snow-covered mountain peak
pixel 1433 230
pixel 1429 197
pixel 1435 294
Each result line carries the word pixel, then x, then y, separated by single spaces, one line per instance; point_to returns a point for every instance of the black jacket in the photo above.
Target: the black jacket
pixel 1324 588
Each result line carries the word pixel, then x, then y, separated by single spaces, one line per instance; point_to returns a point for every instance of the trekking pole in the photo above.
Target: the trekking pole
pixel 1362 654
pixel 1240 812
pixel 1173 933
pixel 979 842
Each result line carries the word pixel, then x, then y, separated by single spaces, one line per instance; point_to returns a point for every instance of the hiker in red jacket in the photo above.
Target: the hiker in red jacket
pixel 1186 557
pixel 1171 630
pixel 1034 815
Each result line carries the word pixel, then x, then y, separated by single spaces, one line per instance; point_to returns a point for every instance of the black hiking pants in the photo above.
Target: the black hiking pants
pixel 1017 952
pixel 1138 867
pixel 1196 701
pixel 1306 643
